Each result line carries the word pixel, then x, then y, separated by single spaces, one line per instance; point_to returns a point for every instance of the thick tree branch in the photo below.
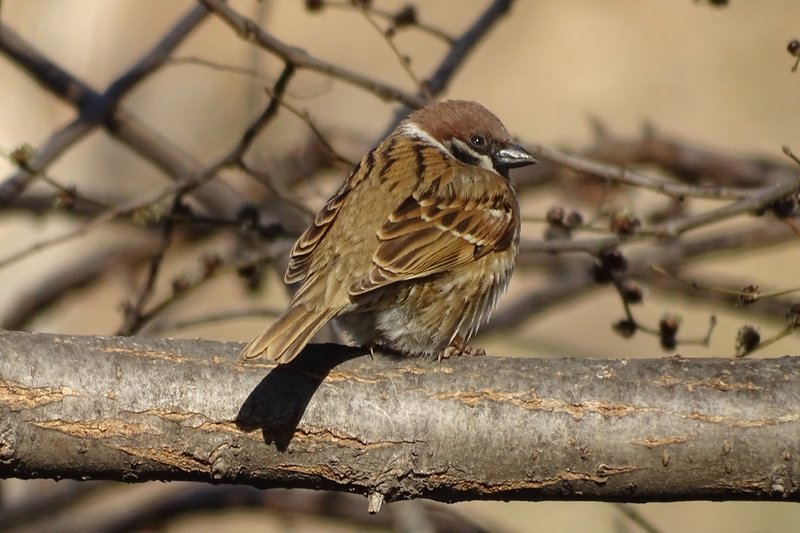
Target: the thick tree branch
pixel 469 428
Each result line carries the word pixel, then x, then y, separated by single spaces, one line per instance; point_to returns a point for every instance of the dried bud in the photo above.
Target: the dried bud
pixel 314 5
pixel 22 155
pixel 785 207
pixel 668 331
pixel 179 285
pixel 573 220
pixel 631 292
pixel 613 260
pixel 601 275
pixel 406 16
pixel 181 208
pixel 67 199
pixel 252 276
pixel 623 223
pixel 748 296
pixel 610 262
pixel 794 47
pixel 211 263
pixel 626 328
pixel 248 216
pixel 793 315
pixel 271 231
pixel 556 215
pixel 747 339
pixel 556 229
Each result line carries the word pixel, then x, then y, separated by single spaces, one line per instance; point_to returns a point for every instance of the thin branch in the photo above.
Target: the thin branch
pixel 630 177
pixel 250 31
pixel 133 312
pixel 238 152
pixel 73 275
pixel 216 65
pixel 180 187
pixel 392 17
pixel 687 161
pixel 94 108
pixel 464 45
pixel 405 61
pixel 750 296
pixel 770 309
pixel 147 142
pixel 460 50
pixel 159 328
pixel 577 281
pixel 213 268
pixel 306 118
pixel 636 517
pixel 757 200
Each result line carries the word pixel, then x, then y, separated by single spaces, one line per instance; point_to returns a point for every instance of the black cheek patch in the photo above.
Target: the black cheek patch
pixel 463 155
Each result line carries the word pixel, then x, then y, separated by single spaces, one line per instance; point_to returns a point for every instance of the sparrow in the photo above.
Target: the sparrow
pixel 414 249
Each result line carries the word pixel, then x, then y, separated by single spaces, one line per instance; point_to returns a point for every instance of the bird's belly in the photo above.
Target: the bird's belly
pixel 423 316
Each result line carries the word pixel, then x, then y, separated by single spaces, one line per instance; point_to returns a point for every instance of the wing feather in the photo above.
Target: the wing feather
pixel 435 230
pixel 303 249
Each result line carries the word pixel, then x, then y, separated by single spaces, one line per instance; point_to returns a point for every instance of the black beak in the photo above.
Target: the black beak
pixel 513 156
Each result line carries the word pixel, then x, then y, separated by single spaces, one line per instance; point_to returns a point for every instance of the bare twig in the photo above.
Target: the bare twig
pixel 151 145
pixel 181 187
pixel 630 177
pixel 213 267
pixel 464 45
pixel 636 517
pixel 739 293
pixel 250 31
pixel 94 108
pixel 687 161
pixel 392 18
pixel 438 81
pixel 306 118
pixel 575 282
pixel 757 200
pixel 133 311
pixel 71 276
pixel 158 328
pixel 404 60
pixel 263 119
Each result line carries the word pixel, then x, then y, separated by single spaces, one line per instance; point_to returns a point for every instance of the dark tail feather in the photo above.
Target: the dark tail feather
pixel 288 335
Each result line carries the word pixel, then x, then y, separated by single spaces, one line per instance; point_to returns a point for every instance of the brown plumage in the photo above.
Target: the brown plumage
pixel 414 249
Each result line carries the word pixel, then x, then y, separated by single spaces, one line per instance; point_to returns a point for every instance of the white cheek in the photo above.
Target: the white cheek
pixel 413 130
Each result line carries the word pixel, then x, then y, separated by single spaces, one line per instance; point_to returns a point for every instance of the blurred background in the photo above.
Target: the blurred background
pixel 710 77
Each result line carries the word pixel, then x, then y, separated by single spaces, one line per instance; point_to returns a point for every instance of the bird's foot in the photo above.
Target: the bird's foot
pixel 459 347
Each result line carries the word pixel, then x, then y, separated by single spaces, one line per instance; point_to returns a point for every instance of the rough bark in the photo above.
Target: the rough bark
pixel 139 409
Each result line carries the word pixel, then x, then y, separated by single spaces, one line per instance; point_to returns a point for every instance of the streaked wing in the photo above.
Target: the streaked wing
pixel 435 230
pixel 303 249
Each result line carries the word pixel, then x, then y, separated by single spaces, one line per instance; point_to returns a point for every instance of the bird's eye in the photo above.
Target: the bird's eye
pixel 477 141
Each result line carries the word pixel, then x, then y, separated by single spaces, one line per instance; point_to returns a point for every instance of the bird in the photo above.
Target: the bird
pixel 414 249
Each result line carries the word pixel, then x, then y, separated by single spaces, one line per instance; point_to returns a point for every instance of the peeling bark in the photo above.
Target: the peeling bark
pixel 138 409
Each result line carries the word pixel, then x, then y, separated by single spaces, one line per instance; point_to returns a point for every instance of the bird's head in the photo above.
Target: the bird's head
pixel 469 133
